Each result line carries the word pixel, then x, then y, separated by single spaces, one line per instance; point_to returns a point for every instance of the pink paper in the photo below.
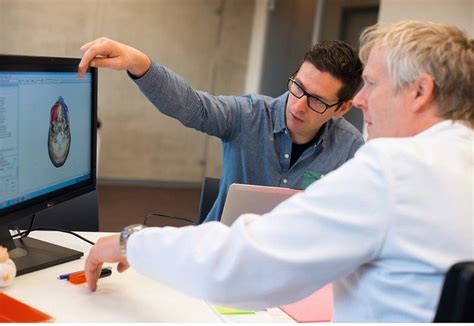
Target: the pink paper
pixel 318 307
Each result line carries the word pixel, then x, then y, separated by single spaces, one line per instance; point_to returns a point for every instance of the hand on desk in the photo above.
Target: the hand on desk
pixel 107 53
pixel 105 250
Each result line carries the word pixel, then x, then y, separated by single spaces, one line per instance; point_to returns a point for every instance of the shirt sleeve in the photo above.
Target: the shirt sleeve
pixel 215 115
pixel 313 238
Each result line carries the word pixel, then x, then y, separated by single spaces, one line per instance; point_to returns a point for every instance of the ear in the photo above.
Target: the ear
pixel 423 92
pixel 346 106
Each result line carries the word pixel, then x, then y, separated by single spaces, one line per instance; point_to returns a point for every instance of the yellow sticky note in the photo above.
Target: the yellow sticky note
pixel 232 311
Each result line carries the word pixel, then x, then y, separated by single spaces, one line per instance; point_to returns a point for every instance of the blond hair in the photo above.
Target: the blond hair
pixel 442 51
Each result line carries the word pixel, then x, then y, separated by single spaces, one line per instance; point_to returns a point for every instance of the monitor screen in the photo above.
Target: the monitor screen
pixel 47 139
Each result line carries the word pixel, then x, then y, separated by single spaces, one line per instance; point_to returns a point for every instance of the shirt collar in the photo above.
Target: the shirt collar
pixel 280 105
pixel 442 126
pixel 324 134
pixel 280 120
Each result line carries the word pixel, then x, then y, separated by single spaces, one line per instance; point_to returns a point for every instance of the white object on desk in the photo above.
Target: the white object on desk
pixel 7 272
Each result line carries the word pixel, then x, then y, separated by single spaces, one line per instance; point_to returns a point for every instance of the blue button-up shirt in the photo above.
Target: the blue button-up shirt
pixel 256 141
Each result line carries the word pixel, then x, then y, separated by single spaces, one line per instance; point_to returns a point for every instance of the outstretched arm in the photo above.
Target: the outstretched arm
pixel 217 116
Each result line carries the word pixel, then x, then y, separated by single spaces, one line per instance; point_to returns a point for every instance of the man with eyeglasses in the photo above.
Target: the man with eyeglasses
pixel 288 141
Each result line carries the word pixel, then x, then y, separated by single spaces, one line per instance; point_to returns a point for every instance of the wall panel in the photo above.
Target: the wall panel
pixel 206 41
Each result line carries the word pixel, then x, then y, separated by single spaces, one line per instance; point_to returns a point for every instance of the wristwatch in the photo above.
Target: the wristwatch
pixel 126 233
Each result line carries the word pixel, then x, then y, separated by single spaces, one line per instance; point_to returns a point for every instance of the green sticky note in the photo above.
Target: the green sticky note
pixel 309 177
pixel 231 311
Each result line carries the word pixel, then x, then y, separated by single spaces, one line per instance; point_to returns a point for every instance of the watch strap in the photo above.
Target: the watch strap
pixel 126 233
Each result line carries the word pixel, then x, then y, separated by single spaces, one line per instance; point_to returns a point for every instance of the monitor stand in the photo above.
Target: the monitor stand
pixel 31 254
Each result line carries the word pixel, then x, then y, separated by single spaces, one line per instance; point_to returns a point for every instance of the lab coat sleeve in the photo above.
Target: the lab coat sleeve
pixel 311 239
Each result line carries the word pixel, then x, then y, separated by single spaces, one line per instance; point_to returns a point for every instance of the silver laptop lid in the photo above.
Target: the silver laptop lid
pixel 244 198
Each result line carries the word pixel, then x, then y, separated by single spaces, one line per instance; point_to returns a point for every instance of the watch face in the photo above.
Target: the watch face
pixel 129 230
pixel 135 227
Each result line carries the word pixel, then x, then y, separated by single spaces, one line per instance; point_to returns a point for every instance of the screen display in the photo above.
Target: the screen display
pixel 45 133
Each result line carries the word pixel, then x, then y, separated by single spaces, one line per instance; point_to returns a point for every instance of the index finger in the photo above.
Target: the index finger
pixel 84 64
pixel 92 271
pixel 93 50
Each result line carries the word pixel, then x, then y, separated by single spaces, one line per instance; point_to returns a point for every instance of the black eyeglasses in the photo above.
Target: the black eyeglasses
pixel 314 103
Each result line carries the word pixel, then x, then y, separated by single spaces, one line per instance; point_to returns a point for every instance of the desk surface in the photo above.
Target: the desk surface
pixel 122 297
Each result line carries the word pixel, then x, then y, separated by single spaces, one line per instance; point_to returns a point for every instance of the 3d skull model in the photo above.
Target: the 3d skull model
pixel 59 135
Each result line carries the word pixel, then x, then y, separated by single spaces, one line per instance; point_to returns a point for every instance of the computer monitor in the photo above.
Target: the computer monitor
pixel 48 134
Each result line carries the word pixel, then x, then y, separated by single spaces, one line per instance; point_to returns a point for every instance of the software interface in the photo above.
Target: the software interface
pixel 45 133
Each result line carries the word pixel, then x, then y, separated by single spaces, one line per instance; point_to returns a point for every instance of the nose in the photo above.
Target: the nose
pixel 301 105
pixel 360 100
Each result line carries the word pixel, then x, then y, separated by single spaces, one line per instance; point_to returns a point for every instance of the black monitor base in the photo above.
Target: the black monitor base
pixel 31 255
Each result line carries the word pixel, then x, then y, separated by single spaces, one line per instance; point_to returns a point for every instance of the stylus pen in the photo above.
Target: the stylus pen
pixel 80 276
pixel 66 276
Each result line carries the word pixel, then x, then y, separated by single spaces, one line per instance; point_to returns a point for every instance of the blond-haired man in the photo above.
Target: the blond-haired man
pixel 384 227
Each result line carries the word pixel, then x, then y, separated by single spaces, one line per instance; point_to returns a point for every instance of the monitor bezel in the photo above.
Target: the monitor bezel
pixel 23 63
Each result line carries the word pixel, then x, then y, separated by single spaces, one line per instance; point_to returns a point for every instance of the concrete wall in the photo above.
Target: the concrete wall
pixel 333 10
pixel 288 37
pixel 205 41
pixel 455 12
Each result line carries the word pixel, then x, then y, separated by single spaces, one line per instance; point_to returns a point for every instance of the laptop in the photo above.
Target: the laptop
pixel 244 198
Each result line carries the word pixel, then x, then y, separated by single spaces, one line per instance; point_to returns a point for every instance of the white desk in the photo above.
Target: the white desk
pixel 121 297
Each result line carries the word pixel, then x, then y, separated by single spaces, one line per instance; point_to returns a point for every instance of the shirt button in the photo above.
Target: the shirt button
pixel 285 181
pixel 287 156
pixel 286 132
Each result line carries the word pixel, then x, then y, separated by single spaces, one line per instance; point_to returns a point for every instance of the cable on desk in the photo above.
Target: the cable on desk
pixel 147 215
pixel 24 234
pixel 27 232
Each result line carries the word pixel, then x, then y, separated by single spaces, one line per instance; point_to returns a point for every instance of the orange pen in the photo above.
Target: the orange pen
pixel 80 277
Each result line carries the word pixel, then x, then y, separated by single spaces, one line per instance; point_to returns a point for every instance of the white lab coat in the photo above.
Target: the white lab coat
pixel 384 228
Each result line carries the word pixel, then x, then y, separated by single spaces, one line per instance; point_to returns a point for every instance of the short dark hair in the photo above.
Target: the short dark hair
pixel 340 60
